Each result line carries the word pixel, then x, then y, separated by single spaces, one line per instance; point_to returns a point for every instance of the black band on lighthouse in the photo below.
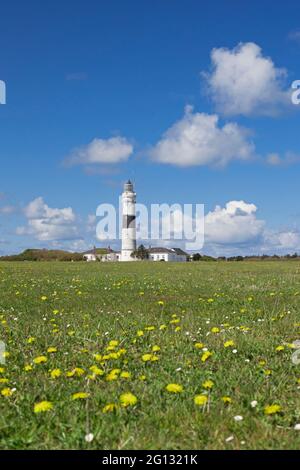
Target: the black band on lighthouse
pixel 128 221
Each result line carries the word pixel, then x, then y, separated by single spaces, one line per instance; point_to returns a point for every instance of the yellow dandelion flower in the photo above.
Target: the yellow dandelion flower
pixel 51 350
pixel 4 380
pixel 2 370
pixel 109 408
pixel 125 375
pixel 279 348
pixel 146 357
pixel 142 378
pixel 208 384
pixel 40 359
pixel 228 343
pixel 206 355
pixel 150 328
pixel 163 327
pixel 140 333
pixel 200 400
pixel 30 340
pixel 6 392
pixel 161 302
pixel 272 409
pixel 28 367
pixel 98 357
pixel 55 373
pixel 113 375
pixel 199 345
pixel 114 355
pixel 42 406
pixel 215 329
pixel 154 358
pixel 128 399
pixel 174 388
pixel 44 297
pixel 77 371
pixel 226 400
pixel 80 395
pixel 155 348
pixel 178 328
pixel 96 370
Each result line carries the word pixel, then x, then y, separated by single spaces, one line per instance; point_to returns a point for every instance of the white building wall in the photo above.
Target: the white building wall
pixel 90 257
pixel 169 257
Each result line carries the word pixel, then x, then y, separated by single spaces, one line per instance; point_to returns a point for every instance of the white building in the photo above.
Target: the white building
pixel 111 256
pixel 90 257
pixel 167 254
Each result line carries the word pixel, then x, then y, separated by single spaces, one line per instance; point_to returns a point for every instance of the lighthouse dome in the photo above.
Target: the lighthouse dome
pixel 128 186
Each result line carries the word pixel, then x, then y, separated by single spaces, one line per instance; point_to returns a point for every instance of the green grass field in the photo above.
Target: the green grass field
pixel 221 332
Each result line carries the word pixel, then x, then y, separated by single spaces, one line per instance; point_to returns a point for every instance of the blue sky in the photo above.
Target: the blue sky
pixel 124 72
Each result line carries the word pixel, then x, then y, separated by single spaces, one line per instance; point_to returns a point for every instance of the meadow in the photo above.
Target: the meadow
pixel 150 355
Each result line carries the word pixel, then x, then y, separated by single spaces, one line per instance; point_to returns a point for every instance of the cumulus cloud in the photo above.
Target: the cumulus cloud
pixel 46 224
pixel 234 224
pixel 281 241
pixel 198 139
pixel 102 151
pixel 289 239
pixel 243 81
pixel 236 229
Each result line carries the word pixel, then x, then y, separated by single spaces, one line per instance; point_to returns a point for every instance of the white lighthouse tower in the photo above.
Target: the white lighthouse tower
pixel 128 222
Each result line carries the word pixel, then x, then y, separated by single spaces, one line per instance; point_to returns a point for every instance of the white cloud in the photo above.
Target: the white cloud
pixel 243 81
pixel 235 229
pixel 284 241
pixel 290 239
pixel 91 223
pixel 234 224
pixel 289 158
pixel 225 229
pixel 295 35
pixel 102 151
pixel 197 139
pixel 47 224
pixel 6 210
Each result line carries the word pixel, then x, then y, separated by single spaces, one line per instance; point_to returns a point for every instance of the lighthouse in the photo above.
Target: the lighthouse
pixel 128 222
